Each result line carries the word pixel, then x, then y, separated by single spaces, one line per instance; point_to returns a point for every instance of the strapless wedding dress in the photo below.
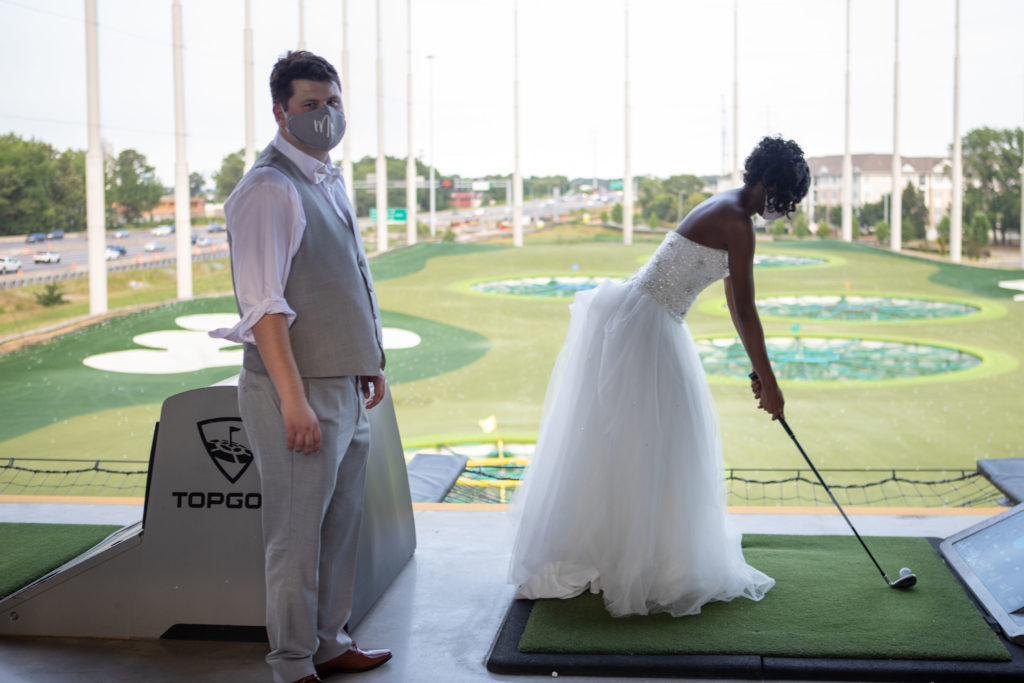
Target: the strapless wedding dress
pixel 625 493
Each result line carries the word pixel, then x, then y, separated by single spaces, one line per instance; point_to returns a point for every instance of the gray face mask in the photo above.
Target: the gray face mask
pixel 320 129
pixel 770 214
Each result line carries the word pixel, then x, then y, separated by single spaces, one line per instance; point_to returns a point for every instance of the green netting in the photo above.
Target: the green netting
pixel 861 308
pixel 482 482
pixel 835 358
pixel 24 477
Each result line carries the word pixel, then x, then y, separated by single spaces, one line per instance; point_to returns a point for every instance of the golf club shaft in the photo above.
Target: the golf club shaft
pixel 832 496
pixel 753 376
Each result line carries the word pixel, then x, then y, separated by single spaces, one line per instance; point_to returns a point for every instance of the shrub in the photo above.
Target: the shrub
pixel 52 294
pixel 882 232
pixel 800 227
pixel 824 230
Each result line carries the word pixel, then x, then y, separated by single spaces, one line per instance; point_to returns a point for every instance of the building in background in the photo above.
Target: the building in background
pixel 872 181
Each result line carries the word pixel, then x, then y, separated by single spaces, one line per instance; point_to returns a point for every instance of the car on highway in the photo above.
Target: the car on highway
pixel 153 246
pixel 118 248
pixel 162 231
pixel 36 237
pixel 121 234
pixel 9 264
pixel 215 227
pixel 202 241
pixel 113 253
pixel 55 235
pixel 46 257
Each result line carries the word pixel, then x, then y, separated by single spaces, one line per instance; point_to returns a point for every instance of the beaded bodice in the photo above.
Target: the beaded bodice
pixel 679 270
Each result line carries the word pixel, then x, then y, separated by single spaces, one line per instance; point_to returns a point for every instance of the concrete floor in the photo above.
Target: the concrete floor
pixel 439 617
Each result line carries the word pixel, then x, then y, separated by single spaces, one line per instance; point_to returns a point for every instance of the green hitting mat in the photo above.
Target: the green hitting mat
pixel 31 551
pixel 829 606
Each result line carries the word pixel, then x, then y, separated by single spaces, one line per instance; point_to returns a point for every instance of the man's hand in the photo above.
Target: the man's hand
pixel 301 426
pixel 373 389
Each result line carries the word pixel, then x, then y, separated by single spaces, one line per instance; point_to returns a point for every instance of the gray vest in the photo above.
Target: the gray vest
pixel 337 329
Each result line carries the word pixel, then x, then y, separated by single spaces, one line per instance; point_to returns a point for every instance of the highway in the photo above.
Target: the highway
pixel 73 249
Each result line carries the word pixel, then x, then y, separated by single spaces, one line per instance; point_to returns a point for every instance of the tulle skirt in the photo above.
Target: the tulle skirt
pixel 625 492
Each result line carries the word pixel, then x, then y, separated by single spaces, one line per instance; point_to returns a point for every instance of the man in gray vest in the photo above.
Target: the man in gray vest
pixel 313 365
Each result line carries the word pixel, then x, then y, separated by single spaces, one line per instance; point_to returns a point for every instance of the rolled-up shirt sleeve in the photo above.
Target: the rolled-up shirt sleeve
pixel 265 223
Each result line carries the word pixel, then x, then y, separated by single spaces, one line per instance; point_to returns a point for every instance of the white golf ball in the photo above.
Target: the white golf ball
pixel 905 571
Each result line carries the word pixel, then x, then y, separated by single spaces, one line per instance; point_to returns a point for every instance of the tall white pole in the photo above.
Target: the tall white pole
pixel 956 213
pixel 517 176
pixel 847 228
pixel 302 25
pixel 346 100
pixel 896 229
pixel 382 167
pixel 736 177
pixel 627 176
pixel 410 163
pixel 95 209
pixel 250 126
pixel 182 198
pixel 433 189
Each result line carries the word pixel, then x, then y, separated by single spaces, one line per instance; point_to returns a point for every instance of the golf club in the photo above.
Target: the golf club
pixel 906 578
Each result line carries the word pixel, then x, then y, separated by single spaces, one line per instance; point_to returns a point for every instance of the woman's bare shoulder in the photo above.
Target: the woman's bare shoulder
pixel 716 221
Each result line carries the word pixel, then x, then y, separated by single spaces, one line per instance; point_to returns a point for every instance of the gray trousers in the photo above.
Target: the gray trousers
pixel 312 509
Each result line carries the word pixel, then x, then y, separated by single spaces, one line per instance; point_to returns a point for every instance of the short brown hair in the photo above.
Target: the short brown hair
pixel 298 64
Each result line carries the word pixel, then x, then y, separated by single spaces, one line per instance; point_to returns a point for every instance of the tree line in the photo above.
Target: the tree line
pixel 43 189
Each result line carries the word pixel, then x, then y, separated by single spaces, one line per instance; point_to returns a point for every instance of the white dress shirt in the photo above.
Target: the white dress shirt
pixel 265 222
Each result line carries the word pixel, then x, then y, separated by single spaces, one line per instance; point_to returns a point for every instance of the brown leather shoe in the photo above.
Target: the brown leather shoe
pixel 311 678
pixel 353 660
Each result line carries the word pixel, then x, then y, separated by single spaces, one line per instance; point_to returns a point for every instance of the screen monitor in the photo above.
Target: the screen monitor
pixel 989 557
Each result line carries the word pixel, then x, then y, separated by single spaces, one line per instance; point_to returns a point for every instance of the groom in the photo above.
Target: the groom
pixel 313 365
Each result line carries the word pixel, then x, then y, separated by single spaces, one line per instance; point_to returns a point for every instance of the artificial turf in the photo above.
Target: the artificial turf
pixel 828 602
pixel 30 551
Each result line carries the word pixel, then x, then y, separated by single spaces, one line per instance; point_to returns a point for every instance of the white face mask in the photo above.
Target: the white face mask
pixel 770 215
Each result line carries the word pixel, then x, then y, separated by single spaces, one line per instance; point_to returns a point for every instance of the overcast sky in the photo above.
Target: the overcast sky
pixel 791 77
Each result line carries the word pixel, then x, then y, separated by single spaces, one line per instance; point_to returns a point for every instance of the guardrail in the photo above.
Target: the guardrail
pixel 112 267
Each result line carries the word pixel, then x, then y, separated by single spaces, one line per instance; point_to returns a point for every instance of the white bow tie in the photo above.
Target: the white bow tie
pixel 326 172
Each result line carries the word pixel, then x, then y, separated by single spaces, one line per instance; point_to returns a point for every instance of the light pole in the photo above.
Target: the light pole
pixel 346 99
pixel 250 145
pixel 410 162
pixel 847 211
pixel 736 176
pixel 627 176
pixel 182 196
pixel 433 188
pixel 382 167
pixel 896 225
pixel 956 218
pixel 517 176
pixel 95 211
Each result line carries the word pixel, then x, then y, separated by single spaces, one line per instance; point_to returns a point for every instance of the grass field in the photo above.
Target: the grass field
pixel 483 354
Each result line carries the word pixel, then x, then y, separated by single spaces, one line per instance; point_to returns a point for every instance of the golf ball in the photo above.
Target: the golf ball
pixel 905 571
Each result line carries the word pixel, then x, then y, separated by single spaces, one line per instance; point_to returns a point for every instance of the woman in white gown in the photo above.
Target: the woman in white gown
pixel 625 493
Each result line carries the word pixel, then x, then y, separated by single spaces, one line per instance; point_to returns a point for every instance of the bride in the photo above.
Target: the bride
pixel 625 493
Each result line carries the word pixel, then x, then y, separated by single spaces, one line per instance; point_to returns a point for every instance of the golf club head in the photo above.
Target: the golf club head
pixel 905 580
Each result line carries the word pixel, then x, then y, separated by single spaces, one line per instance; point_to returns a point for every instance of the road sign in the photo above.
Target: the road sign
pixel 615 185
pixel 394 215
pixel 481 185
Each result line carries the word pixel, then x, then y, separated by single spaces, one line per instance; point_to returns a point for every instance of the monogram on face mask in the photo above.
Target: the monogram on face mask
pixel 320 129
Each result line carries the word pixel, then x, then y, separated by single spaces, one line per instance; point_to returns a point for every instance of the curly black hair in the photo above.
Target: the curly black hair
pixel 780 165
pixel 298 64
